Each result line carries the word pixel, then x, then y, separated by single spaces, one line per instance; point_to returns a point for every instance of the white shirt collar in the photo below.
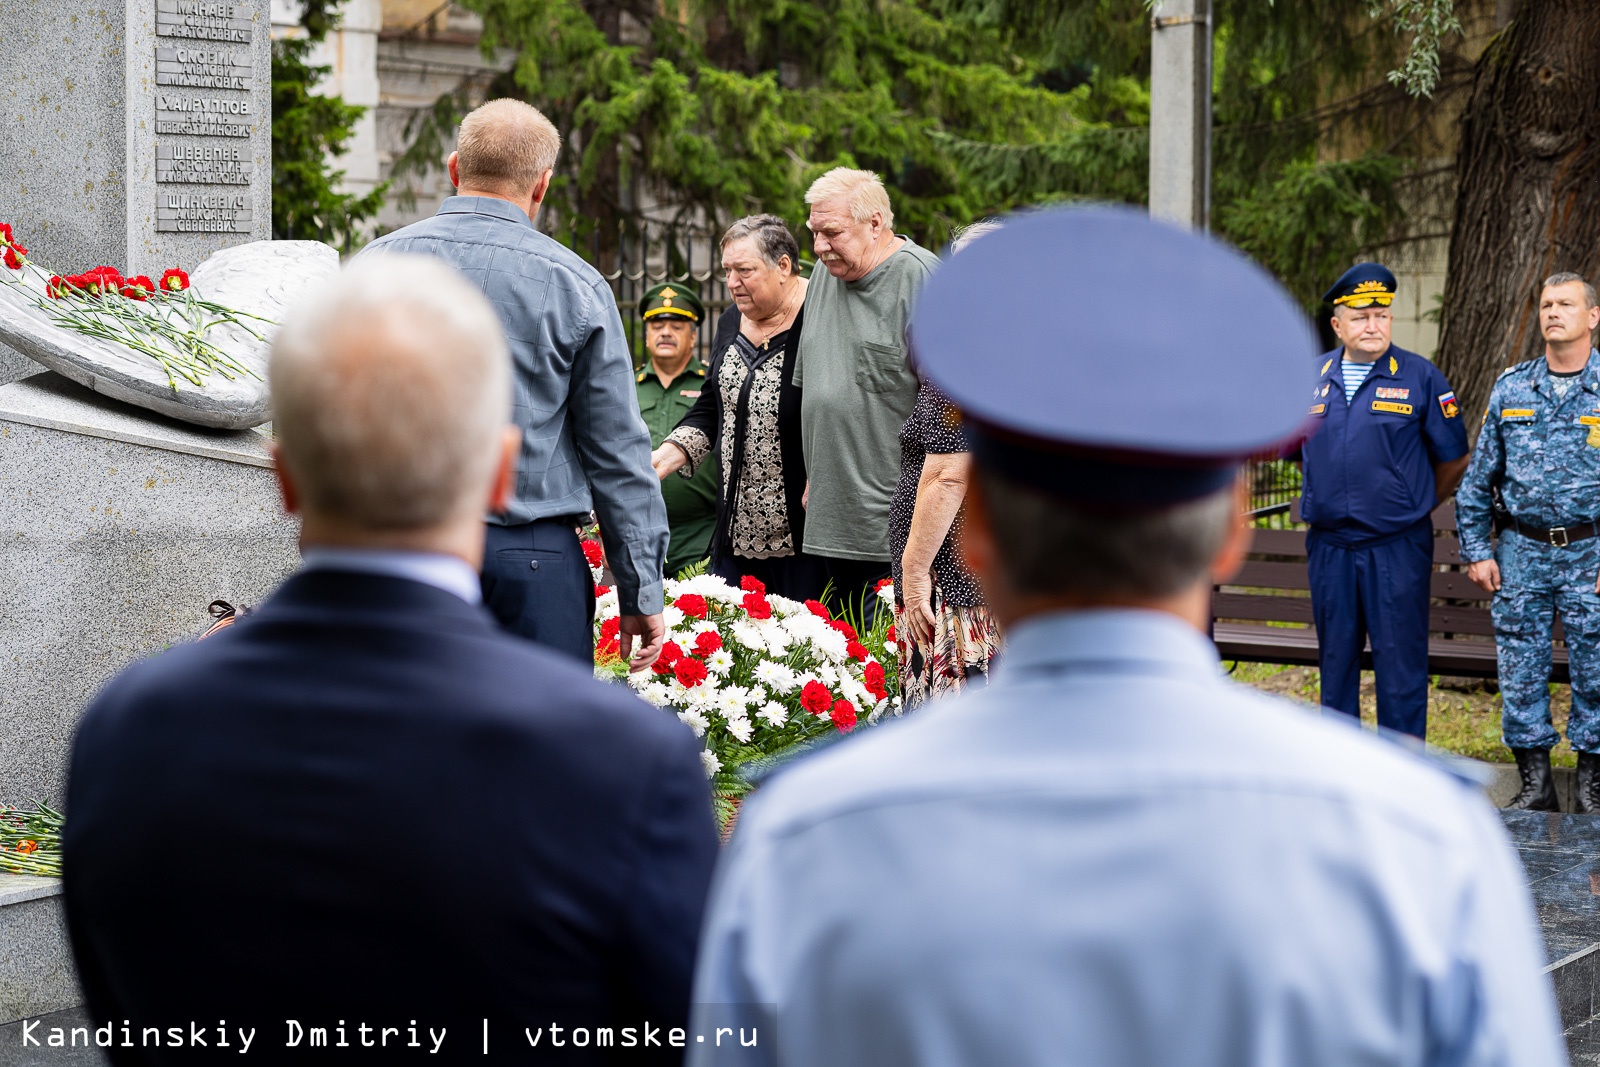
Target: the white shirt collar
pixel 430 568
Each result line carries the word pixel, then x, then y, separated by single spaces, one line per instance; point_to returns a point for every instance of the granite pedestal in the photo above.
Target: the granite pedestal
pixel 117 529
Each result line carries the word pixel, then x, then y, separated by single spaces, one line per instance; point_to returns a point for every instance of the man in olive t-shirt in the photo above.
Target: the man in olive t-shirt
pixel 857 387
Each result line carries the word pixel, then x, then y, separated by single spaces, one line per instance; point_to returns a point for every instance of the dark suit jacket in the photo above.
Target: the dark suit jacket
pixel 366 803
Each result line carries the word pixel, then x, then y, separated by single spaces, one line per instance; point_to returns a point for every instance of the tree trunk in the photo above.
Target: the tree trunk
pixel 1528 190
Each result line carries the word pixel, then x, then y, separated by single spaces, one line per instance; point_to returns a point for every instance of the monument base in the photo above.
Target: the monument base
pixel 118 529
pixel 36 971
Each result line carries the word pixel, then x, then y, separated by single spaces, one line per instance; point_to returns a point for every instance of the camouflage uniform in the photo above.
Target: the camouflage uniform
pixel 1544 452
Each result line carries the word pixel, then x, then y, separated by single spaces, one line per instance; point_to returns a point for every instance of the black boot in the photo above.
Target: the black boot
pixel 1538 785
pixel 1586 797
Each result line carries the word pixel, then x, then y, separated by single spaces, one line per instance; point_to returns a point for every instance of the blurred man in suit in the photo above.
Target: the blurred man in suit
pixel 366 805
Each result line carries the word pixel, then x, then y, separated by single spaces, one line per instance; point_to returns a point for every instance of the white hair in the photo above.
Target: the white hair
pixel 861 190
pixel 391 389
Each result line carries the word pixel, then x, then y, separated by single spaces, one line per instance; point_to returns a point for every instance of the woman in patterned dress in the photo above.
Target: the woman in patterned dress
pixel 748 416
pixel 944 635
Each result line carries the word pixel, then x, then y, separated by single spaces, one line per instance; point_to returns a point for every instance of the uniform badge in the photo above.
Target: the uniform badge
pixel 1516 413
pixel 692 394
pixel 1394 365
pixel 1325 367
pixel 1389 393
pixel 1396 409
pixel 1589 420
pixel 1318 409
pixel 1448 405
pixel 1593 440
pixel 1325 387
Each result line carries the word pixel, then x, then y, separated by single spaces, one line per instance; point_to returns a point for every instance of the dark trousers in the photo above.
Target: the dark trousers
pixel 537 583
pixel 854 585
pixel 798 577
pixel 1378 591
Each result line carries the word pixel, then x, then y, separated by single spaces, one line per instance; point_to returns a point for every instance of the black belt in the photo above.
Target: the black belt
pixel 1560 536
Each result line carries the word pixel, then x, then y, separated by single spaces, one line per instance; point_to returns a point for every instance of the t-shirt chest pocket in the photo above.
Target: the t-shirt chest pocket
pixel 1518 420
pixel 881 369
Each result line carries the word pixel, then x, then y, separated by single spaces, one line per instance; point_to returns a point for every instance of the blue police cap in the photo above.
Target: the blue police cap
pixel 1112 360
pixel 1363 285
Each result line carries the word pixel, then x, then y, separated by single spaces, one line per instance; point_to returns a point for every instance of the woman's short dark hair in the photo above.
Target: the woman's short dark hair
pixel 772 237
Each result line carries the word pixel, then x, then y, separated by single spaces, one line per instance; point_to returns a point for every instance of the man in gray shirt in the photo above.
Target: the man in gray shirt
pixel 584 445
pixel 858 388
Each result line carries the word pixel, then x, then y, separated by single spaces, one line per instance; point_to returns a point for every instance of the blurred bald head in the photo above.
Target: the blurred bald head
pixel 391 393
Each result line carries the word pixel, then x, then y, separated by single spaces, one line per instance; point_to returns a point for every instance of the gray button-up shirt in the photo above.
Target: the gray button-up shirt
pixel 584 444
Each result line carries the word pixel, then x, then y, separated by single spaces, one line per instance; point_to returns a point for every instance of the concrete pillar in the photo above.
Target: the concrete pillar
pixel 1180 112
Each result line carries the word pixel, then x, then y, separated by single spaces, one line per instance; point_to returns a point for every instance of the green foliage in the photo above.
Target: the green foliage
pixel 306 130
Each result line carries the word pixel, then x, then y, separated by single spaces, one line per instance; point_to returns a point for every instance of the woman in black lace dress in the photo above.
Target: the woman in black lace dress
pixel 748 417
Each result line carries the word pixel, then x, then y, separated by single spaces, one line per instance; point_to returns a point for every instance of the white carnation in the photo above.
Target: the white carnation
pixel 890 646
pixel 886 594
pixel 710 761
pixel 695 721
pixel 672 617
pixel 606 606
pixel 774 712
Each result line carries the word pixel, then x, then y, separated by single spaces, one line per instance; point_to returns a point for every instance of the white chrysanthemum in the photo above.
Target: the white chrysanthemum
pixel 774 675
pixel 597 572
pixel 673 617
pixel 877 711
pixel 783 607
pixel 719 662
pixel 832 643
pixel 705 626
pixel 774 712
pixel 746 634
pixel 694 720
pixel 640 679
pixel 827 675
pixel 713 588
pixel 730 702
pixel 890 646
pixel 710 761
pixel 657 693
pixel 886 594
pixel 741 729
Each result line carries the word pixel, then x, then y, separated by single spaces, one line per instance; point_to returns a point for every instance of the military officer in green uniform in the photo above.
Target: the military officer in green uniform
pixel 668 385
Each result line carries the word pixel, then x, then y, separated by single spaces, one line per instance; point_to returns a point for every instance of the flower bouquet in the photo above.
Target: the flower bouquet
pixel 755 675
pixel 30 841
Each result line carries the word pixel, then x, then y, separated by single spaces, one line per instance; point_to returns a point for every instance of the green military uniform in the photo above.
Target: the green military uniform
pixel 691 502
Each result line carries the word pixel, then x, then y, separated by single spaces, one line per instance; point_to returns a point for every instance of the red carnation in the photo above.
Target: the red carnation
pixel 138 288
pixel 881 583
pixel 845 628
pixel 889 634
pixel 593 553
pixel 611 627
pixel 872 678
pixel 174 281
pixel 601 590
pixel 817 608
pixel 844 716
pixel 693 605
pixel 102 280
pixel 5 233
pixel 13 256
pixel 856 650
pixel 815 698
pixel 690 672
pixel 753 585
pixel 708 642
pixel 757 606
pixel 56 287
pixel 670 655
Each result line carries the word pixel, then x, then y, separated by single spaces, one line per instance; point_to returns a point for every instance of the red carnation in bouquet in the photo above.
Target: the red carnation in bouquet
pixel 609 643
pixel 708 642
pixel 13 256
pixel 881 583
pixel 888 634
pixel 845 628
pixel 757 606
pixel 670 655
pixel 593 553
pixel 693 605
pixel 138 288
pixel 872 678
pixel 815 698
pixel 844 716
pixel 820 610
pixel 601 590
pixel 174 281
pixel 690 672
pixel 753 585
pixel 856 650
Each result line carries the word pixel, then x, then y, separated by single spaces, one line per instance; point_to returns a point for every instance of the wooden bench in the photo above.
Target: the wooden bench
pixel 1274 588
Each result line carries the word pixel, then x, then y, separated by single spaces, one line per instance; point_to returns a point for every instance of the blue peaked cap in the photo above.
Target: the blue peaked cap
pixel 1112 360
pixel 1363 285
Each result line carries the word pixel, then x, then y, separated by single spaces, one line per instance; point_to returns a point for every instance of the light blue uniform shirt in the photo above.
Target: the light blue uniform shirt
pixel 573 389
pixel 1115 856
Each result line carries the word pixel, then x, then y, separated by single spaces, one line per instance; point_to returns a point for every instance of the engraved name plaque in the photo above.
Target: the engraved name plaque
pixel 203 162
pixel 205 67
pixel 203 116
pixel 187 212
pixel 203 21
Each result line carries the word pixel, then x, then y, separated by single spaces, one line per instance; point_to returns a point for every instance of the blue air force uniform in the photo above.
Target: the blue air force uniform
pixel 1540 444
pixel 1115 856
pixel 1369 491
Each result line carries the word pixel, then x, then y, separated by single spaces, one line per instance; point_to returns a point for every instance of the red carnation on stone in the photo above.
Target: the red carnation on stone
pixel 693 605
pixel 670 655
pixel 690 672
pixel 13 256
pixel 5 233
pixel 845 628
pixel 753 585
pixel 815 698
pixel 174 281
pixel 56 287
pixel 820 610
pixel 872 677
pixel 856 650
pixel 757 606
pixel 99 280
pixel 591 549
pixel 844 716
pixel 138 288
pixel 708 642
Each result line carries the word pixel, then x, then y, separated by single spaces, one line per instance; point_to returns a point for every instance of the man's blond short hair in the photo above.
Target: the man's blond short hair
pixel 861 191
pixel 505 147
pixel 391 390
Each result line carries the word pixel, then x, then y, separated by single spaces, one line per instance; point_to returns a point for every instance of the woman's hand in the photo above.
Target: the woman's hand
pixel 917 592
pixel 667 459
